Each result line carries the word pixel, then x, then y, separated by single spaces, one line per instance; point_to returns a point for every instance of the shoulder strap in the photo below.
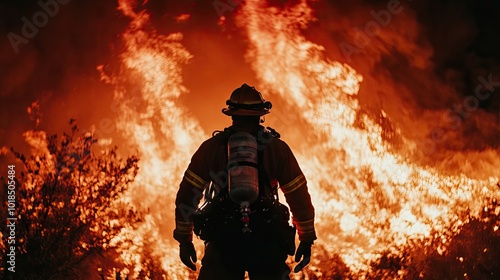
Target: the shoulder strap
pixel 265 188
pixel 265 136
pixel 213 191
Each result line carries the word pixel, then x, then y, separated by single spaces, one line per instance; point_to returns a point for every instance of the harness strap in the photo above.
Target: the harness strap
pixel 265 188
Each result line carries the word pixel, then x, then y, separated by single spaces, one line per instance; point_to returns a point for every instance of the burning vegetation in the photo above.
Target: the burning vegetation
pixel 388 204
pixel 68 208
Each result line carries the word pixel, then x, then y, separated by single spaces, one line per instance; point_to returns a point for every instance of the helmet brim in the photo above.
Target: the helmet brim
pixel 244 112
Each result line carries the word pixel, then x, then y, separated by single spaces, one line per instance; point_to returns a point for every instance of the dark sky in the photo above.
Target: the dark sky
pixel 427 59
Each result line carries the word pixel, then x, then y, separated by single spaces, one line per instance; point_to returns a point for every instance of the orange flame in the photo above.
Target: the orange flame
pixel 159 128
pixel 367 197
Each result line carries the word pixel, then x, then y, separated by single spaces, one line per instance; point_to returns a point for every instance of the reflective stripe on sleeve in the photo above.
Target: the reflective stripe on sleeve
pixel 183 227
pixel 304 226
pixel 194 180
pixel 293 185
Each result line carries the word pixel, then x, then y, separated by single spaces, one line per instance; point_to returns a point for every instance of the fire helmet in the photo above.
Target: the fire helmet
pixel 246 101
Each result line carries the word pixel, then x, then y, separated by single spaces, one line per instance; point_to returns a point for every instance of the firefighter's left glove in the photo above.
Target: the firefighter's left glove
pixel 188 254
pixel 303 252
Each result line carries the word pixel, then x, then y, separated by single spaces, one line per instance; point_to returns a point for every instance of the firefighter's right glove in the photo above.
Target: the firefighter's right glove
pixel 188 254
pixel 304 250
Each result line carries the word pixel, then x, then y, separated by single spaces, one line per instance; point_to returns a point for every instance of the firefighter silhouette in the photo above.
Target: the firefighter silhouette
pixel 244 226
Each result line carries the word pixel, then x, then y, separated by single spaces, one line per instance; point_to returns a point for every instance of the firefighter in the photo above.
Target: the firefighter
pixel 243 225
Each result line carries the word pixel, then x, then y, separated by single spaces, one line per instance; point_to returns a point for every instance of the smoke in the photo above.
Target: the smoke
pixel 55 65
pixel 421 64
pixel 428 73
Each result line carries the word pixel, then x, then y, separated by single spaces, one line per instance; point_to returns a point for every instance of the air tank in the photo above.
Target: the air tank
pixel 243 179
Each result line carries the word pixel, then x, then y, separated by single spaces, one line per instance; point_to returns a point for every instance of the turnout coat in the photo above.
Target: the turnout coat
pixel 208 164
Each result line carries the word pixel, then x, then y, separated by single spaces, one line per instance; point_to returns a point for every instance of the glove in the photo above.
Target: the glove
pixel 188 253
pixel 304 250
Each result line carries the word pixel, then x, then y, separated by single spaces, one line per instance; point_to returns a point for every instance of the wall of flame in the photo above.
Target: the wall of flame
pixel 367 196
pixel 370 191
